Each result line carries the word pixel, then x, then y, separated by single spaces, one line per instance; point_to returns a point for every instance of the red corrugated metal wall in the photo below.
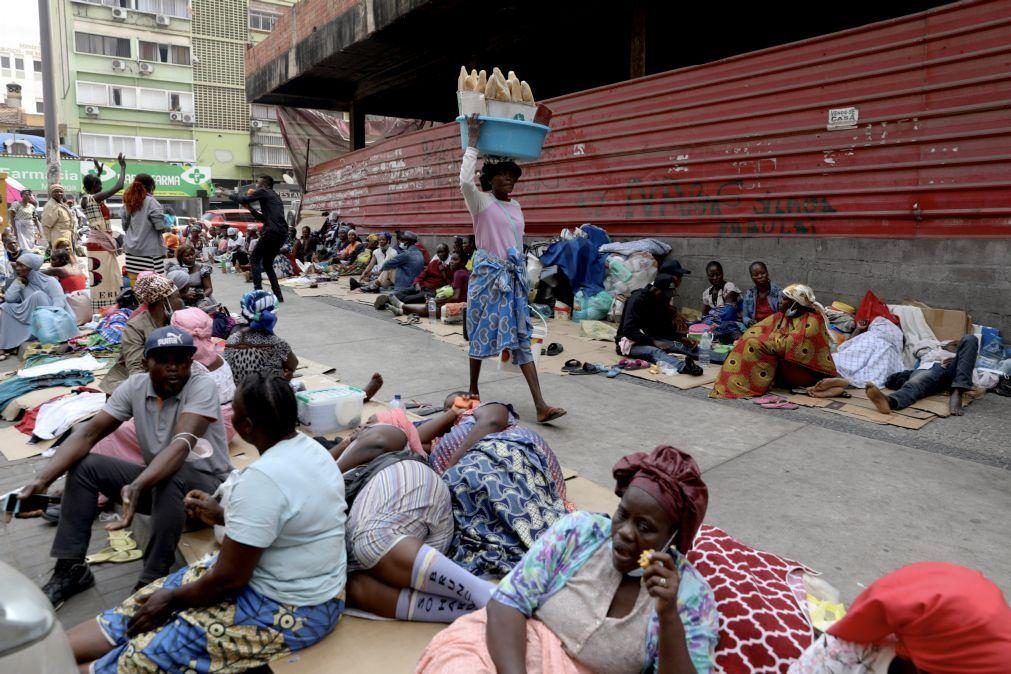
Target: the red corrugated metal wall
pixel 740 146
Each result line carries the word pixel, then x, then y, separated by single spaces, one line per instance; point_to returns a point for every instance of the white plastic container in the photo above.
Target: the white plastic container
pixel 330 409
pixel 523 112
pixel 471 103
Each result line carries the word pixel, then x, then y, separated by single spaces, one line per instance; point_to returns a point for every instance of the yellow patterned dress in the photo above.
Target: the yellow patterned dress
pixel 233 636
pixel 778 345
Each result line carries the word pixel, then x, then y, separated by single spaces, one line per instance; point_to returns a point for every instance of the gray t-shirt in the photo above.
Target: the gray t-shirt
pixel 290 502
pixel 156 419
pixel 143 229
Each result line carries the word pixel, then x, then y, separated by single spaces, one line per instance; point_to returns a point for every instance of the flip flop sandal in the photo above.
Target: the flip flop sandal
pixel 588 368
pixel 553 413
pixel 554 348
pixel 770 398
pixel 571 365
pixel 780 405
pixel 613 372
pixel 114 556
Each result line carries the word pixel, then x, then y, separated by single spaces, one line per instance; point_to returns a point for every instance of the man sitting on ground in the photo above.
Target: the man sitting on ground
pixel 648 328
pixel 435 275
pixel 408 264
pixel 935 375
pixel 178 419
pixel 452 303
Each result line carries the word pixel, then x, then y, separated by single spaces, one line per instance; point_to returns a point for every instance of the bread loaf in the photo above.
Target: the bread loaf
pixel 498 88
pixel 515 91
pixel 462 79
pixel 482 80
pixel 527 94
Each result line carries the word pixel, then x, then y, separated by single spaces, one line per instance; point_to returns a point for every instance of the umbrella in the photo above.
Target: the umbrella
pixel 13 190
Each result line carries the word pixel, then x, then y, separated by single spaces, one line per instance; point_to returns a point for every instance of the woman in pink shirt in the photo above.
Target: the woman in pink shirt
pixel 497 317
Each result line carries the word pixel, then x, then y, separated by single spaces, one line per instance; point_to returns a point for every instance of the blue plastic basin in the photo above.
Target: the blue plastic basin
pixel 506 137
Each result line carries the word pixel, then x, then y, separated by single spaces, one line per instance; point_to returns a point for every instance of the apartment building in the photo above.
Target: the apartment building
pixel 163 82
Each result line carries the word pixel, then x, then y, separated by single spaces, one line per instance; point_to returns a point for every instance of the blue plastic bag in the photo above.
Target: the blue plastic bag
pixel 52 325
pixel 991 349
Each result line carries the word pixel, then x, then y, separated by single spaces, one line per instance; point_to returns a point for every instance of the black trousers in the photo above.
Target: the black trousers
pixel 97 474
pixel 262 260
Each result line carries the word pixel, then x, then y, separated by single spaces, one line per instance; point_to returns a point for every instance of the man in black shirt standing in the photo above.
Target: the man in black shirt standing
pixel 275 231
pixel 648 322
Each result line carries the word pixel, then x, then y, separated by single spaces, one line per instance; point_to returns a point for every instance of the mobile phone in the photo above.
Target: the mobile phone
pixel 32 503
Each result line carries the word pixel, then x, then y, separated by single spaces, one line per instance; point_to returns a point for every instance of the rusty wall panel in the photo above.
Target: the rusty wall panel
pixel 740 146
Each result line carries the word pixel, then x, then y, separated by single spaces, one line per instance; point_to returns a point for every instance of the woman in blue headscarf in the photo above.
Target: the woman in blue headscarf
pixel 29 290
pixel 254 347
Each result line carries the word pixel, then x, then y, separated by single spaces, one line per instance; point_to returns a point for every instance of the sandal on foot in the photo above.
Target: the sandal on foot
pixel 553 413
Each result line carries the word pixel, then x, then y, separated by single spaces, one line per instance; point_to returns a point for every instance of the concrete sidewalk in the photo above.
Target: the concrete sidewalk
pixel 849 506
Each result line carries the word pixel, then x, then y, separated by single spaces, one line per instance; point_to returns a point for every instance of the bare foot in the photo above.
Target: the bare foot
pixel 373 386
pixel 879 399
pixel 955 403
pixel 833 392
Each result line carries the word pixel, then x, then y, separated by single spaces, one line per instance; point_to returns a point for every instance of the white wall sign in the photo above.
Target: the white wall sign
pixel 843 118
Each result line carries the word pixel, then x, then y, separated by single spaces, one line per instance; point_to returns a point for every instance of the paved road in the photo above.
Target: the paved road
pixel 850 499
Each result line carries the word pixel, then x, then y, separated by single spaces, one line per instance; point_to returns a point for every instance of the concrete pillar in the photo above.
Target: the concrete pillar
pixel 49 104
pixel 357 117
pixel 637 41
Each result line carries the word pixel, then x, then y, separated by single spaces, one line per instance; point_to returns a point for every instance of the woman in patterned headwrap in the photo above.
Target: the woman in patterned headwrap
pixel 254 347
pixel 608 594
pixel 789 348
pixel 159 297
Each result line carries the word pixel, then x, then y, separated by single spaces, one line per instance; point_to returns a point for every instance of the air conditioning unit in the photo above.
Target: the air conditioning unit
pixel 189 118
pixel 91 110
pixel 176 116
pixel 119 14
pixel 146 69
pixel 118 64
pixel 162 20
pixel 255 124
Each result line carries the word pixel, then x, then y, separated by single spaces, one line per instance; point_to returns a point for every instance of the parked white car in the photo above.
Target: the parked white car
pixel 31 639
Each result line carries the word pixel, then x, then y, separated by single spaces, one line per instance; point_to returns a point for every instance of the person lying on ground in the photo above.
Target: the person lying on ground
pixel 182 440
pixel 123 442
pixel 254 347
pixel 199 285
pixel 715 295
pixel 648 327
pixel 158 298
pixel 400 525
pixel 952 373
pixel 926 617
pixel 604 595
pixel 277 585
pixel 29 290
pixel 505 481
pixel 870 356
pixel 401 303
pixel 762 300
pixel 790 349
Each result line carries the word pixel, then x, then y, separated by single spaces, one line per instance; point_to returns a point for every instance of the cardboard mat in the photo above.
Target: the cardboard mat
pixel 859 407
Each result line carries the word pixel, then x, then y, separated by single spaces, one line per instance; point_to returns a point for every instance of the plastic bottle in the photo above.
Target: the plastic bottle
pixel 433 310
pixel 705 346
pixel 396 403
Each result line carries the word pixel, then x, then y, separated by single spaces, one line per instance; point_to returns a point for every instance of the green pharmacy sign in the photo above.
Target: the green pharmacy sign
pixel 172 180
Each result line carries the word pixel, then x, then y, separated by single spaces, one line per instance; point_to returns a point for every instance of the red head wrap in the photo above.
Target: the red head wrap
pixel 948 619
pixel 673 478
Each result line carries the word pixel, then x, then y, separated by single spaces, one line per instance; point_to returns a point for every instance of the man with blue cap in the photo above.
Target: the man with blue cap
pixel 182 440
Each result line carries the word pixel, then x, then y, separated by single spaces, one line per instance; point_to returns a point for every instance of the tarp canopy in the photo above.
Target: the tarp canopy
pixel 38 144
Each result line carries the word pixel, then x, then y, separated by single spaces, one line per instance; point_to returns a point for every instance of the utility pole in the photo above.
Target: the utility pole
pixel 49 104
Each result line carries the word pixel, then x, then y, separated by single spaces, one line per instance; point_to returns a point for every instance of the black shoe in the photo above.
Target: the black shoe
pixel 382 301
pixel 691 367
pixel 355 284
pixel 65 584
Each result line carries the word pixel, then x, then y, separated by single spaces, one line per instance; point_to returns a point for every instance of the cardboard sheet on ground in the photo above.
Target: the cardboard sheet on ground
pixel 34 399
pixel 14 444
pixel 859 407
pixel 681 381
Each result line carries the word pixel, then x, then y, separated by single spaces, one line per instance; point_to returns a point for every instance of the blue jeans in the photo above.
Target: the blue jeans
pixel 655 355
pixel 913 385
pixel 676 347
